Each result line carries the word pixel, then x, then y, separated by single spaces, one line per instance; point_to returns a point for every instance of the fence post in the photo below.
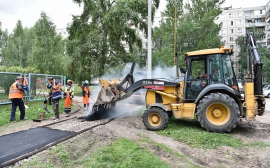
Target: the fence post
pixel 64 80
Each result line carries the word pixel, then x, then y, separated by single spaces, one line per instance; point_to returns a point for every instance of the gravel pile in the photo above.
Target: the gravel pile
pixel 76 125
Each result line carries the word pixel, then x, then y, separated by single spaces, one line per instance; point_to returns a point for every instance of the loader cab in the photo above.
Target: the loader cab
pixel 207 69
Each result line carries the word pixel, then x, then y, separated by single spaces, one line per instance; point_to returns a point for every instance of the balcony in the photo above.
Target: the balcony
pixel 268 47
pixel 254 16
pixel 261 24
pixel 267 28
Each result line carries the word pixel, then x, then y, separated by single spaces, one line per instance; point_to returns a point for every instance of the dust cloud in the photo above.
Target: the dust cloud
pixel 137 100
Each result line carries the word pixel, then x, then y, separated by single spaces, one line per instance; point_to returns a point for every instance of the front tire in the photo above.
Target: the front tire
pixel 218 112
pixel 155 119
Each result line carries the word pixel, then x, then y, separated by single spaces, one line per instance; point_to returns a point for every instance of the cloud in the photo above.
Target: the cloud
pixel 28 11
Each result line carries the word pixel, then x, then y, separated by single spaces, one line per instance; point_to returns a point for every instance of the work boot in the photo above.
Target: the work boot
pixel 25 118
pixel 55 118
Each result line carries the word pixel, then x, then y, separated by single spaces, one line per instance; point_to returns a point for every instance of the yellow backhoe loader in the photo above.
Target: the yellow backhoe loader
pixel 213 99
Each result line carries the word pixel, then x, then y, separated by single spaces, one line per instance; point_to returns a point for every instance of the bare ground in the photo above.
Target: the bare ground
pixel 132 128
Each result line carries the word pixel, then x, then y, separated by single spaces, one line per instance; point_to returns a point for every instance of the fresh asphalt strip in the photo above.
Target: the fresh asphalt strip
pixel 19 143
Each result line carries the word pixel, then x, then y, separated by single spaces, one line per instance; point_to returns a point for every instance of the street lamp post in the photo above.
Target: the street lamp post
pixel 149 55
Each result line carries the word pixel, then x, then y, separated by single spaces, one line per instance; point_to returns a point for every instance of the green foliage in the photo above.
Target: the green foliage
pixel 19 69
pixel 196 30
pixel 38 47
pixel 31 112
pixel 48 48
pixel 241 42
pixel 123 153
pixel 102 34
pixel 191 133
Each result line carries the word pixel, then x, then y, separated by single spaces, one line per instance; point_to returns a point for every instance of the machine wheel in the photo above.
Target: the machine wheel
pixel 268 95
pixel 218 112
pixel 155 119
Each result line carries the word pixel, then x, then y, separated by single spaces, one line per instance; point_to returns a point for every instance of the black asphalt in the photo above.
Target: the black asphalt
pixel 20 143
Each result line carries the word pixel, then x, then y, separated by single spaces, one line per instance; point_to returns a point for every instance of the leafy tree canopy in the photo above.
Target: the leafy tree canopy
pixel 196 30
pixel 105 33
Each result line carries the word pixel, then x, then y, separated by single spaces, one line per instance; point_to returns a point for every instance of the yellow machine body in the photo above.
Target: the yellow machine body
pixel 172 98
pixel 250 103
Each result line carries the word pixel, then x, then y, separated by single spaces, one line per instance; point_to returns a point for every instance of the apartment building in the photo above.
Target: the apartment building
pixel 237 22
pixel 267 20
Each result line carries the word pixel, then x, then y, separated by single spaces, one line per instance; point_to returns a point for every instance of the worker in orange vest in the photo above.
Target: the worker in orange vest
pixel 86 94
pixel 68 95
pixel 16 96
pixel 55 86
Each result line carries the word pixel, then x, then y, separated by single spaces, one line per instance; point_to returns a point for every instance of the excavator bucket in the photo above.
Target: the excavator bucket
pixel 112 91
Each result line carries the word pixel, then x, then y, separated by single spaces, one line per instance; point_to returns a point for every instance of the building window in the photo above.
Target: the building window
pixel 231 23
pixel 231 39
pixel 222 15
pixel 261 12
pixel 239 22
pixel 239 30
pixel 223 31
pixel 231 46
pixel 231 31
pixel 239 14
pixel 221 24
pixel 249 13
pixel 230 15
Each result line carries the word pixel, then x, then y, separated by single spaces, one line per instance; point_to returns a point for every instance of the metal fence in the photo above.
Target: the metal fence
pixel 37 85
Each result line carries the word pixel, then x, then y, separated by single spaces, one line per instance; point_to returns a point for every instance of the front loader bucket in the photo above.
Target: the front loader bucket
pixel 112 91
pixel 108 94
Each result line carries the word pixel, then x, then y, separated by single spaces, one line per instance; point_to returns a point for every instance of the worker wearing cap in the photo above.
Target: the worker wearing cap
pixel 16 96
pixel 56 95
pixel 86 94
pixel 68 95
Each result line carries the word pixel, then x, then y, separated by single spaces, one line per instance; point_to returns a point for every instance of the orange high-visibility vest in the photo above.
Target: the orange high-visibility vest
pixel 14 92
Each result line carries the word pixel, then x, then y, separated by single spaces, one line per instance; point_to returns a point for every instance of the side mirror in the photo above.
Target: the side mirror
pixel 182 70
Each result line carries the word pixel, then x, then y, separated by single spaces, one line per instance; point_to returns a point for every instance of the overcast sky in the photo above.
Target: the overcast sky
pixel 61 11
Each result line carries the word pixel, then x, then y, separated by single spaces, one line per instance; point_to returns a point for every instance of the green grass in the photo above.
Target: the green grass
pixel 123 153
pixel 78 90
pixel 191 133
pixel 31 112
pixel 162 146
pixel 3 98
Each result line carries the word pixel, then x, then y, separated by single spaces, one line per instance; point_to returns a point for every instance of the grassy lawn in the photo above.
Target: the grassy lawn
pixel 3 98
pixel 78 90
pixel 191 133
pixel 121 153
pixel 31 112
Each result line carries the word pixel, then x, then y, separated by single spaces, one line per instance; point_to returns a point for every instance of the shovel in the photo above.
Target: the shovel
pixel 45 107
pixel 45 101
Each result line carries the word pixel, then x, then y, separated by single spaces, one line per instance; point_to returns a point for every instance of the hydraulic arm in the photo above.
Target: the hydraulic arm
pixel 254 99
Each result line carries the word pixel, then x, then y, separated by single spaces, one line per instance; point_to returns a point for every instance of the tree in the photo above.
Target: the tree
pixel 104 34
pixel 3 45
pixel 48 49
pixel 196 30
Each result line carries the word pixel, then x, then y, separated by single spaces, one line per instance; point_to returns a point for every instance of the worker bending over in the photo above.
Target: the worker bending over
pixel 68 96
pixel 56 95
pixel 86 94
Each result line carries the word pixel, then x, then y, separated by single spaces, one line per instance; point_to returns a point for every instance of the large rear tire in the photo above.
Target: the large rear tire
pixel 218 112
pixel 155 119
